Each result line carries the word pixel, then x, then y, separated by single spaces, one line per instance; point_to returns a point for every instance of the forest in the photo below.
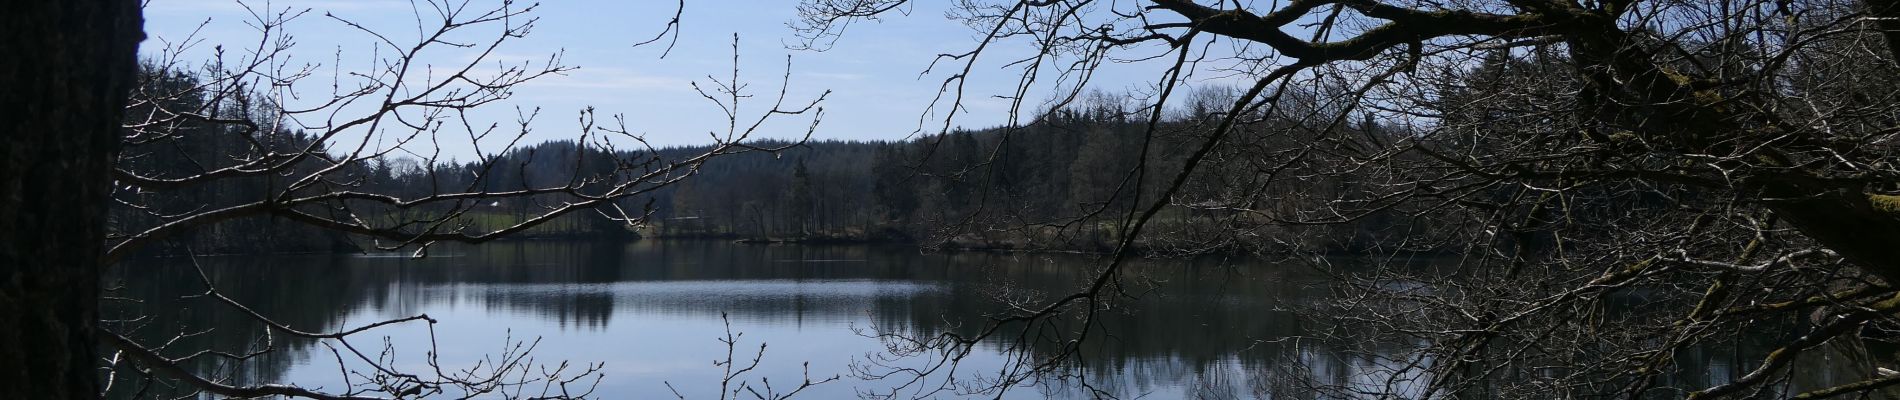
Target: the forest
pixel 1056 184
pixel 1498 199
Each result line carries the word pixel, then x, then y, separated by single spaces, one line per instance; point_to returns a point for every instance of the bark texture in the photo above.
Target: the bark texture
pixel 63 86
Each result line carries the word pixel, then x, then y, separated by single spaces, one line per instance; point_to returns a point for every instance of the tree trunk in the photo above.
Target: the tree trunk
pixel 1886 19
pixel 63 84
pixel 1864 228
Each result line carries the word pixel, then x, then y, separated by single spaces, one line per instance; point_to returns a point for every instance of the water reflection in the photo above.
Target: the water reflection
pixel 650 311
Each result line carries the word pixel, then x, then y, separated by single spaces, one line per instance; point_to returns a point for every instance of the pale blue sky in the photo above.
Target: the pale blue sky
pixel 873 71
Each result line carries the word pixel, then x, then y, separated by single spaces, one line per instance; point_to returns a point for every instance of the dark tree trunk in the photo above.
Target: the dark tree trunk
pixel 1886 15
pixel 63 82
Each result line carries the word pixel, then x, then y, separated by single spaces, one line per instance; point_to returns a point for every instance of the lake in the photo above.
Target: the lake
pixel 651 311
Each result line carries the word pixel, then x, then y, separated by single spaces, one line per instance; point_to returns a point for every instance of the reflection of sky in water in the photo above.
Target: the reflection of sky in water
pixel 658 331
pixel 799 301
pixel 651 311
pixel 667 331
pixel 699 290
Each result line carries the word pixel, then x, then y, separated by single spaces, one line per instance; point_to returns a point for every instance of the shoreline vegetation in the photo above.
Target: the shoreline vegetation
pixel 1064 183
pixel 950 246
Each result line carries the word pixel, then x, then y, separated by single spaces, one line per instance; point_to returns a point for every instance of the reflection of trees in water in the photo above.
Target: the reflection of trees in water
pixel 1566 361
pixel 316 292
pixel 580 285
pixel 1211 330
pixel 1196 327
pixel 309 298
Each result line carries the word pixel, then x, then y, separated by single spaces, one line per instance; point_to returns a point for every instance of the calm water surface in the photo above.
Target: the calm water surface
pixel 651 311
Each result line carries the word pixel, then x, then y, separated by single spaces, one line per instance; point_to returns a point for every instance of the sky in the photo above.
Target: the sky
pixel 874 72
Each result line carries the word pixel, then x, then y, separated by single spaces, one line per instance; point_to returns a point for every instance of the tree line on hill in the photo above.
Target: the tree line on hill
pixel 1064 182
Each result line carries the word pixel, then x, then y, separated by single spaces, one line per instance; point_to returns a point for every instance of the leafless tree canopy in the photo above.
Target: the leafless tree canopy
pixel 1561 198
pixel 243 146
pixel 1619 182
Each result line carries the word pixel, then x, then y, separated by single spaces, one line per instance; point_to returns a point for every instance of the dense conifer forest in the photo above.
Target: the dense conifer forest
pixel 1062 183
